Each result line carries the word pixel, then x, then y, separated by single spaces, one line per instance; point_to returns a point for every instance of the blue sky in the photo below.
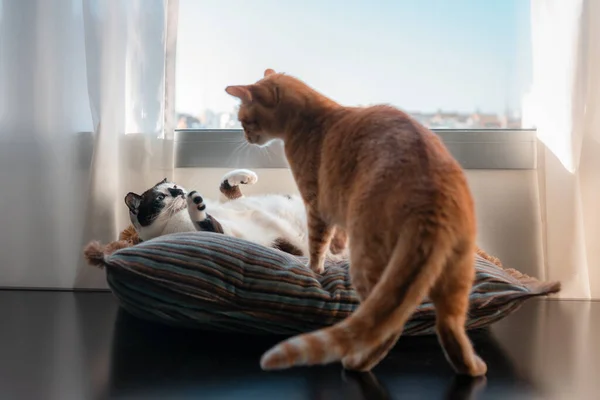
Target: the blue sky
pixel 420 55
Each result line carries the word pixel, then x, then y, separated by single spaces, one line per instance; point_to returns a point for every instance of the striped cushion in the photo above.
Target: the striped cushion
pixel 212 281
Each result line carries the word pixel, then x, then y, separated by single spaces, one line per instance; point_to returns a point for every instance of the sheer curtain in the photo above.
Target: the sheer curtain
pixel 86 94
pixel 566 65
pixel 130 50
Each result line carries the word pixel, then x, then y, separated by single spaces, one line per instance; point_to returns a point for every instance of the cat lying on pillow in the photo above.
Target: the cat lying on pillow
pixel 273 220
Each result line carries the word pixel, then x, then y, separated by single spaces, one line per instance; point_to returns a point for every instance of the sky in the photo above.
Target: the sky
pixel 419 55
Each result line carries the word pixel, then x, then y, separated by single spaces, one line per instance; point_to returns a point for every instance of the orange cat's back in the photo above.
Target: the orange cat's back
pixel 381 162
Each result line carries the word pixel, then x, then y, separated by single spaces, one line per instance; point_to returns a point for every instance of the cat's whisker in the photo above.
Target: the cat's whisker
pixel 269 155
pixel 240 152
pixel 173 207
pixel 241 145
pixel 236 149
pixel 265 152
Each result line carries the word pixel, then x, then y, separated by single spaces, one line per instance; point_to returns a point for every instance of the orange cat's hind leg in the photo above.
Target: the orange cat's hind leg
pixel 364 278
pixel 338 241
pixel 450 296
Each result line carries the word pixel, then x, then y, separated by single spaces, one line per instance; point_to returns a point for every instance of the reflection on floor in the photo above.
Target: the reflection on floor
pixel 62 345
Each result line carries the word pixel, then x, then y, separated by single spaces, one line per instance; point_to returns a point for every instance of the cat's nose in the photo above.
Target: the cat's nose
pixel 175 192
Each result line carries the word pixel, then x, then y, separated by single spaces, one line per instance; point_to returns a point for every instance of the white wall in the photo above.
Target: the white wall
pixel 509 218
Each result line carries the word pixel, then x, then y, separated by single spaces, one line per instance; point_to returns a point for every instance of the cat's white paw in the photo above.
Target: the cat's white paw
pixel 196 206
pixel 240 177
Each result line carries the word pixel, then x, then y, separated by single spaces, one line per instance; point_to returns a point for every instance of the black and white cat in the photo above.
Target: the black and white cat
pixel 272 220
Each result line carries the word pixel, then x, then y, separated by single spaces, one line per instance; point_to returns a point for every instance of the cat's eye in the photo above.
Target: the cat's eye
pixel 160 197
pixel 249 125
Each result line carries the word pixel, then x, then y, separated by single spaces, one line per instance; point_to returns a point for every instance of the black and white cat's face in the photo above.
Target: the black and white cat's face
pixel 156 205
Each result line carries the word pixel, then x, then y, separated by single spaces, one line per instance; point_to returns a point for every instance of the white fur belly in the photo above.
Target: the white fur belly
pixel 264 219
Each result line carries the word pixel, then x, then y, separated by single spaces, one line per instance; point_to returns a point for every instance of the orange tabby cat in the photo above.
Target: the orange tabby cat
pixel 404 203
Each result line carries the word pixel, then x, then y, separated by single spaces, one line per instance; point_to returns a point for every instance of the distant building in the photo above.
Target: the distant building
pixel 423 118
pixel 486 121
pixel 209 119
pixel 449 120
pixel 187 121
pixel 494 121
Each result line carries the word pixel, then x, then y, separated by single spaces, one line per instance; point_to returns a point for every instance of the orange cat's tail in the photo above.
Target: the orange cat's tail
pixel 362 339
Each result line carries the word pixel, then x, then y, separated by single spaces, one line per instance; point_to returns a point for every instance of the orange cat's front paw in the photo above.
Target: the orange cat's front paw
pixel 317 267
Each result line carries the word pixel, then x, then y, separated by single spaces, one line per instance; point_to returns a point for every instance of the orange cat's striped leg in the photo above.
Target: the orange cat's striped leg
pixel 339 241
pixel 409 278
pixel 319 238
pixel 363 282
pixel 450 296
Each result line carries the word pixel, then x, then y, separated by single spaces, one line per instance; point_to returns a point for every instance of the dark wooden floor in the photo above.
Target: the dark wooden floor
pixel 62 345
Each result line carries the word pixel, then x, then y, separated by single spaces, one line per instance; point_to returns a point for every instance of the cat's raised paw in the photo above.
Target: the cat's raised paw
pixel 241 177
pixel 194 200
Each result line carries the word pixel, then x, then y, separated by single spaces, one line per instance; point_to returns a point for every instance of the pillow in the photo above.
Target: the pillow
pixel 216 282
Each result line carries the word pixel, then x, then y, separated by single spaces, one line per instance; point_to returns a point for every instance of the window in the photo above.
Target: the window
pixel 461 64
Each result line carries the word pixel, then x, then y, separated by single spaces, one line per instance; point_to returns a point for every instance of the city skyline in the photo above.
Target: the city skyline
pixel 209 119
pixel 418 55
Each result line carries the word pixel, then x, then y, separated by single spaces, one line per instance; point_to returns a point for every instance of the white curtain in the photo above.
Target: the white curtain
pixel 566 93
pixel 130 50
pixel 43 154
pixel 86 100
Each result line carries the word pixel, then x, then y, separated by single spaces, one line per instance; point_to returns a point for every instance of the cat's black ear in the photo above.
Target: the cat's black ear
pixel 161 182
pixel 133 202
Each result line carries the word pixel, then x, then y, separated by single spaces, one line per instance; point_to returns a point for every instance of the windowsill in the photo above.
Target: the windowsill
pixel 474 149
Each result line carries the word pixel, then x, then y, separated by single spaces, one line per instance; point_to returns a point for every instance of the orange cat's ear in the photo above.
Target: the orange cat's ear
pixel 265 95
pixel 268 72
pixel 241 92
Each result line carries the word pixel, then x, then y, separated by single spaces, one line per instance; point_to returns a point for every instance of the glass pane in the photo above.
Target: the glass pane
pixel 463 64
